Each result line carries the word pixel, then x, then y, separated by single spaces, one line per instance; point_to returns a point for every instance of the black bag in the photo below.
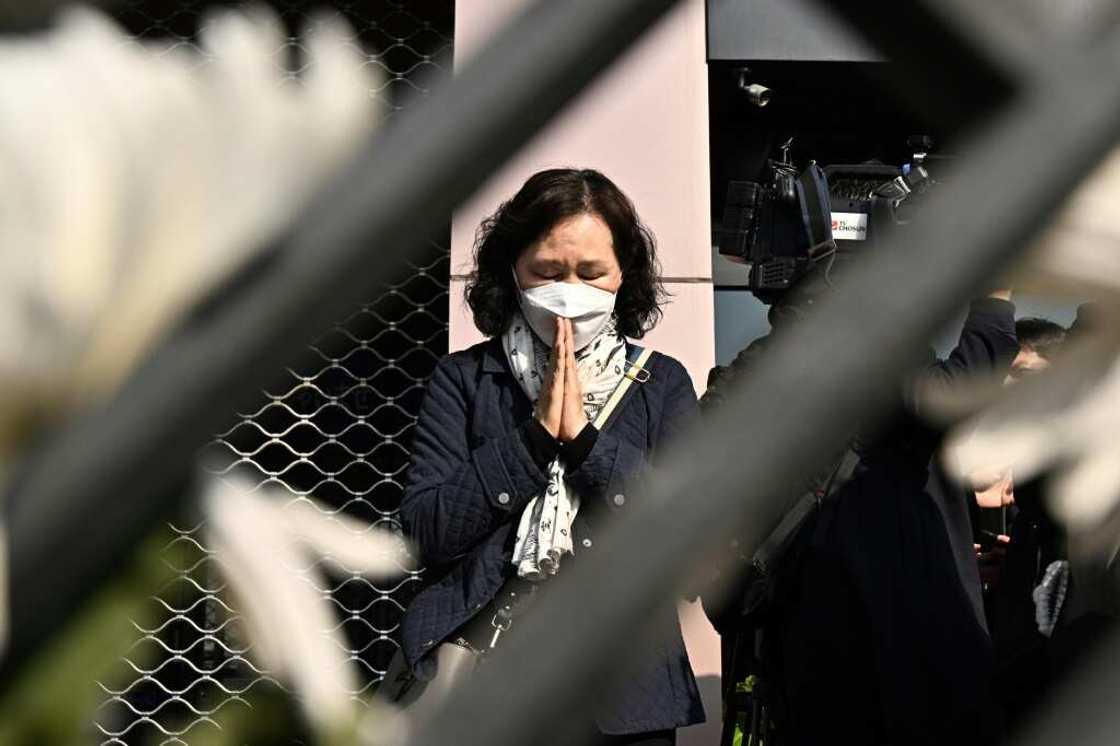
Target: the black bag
pixel 779 551
pixel 751 704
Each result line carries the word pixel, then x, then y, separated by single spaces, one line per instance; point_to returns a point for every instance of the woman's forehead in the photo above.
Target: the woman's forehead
pixel 579 238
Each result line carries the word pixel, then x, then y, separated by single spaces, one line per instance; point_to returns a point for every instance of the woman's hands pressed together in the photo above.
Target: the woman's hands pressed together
pixel 560 406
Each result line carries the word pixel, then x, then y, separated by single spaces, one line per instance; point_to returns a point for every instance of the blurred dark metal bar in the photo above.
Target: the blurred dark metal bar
pixel 19 16
pixel 987 42
pixel 99 486
pixel 954 60
pixel 731 478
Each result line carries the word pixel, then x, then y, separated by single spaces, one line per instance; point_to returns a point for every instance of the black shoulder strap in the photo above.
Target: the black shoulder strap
pixel 841 474
pixel 775 546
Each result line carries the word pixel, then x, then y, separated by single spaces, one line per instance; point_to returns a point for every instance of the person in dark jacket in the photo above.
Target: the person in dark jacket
pixel 878 635
pixel 1048 603
pixel 1092 604
pixel 510 480
pixel 1018 543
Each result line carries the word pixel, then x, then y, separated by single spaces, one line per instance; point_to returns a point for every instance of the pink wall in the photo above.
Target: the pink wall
pixel 645 124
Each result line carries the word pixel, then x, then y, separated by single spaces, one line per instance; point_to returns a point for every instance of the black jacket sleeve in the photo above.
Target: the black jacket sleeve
pixel 722 377
pixel 986 348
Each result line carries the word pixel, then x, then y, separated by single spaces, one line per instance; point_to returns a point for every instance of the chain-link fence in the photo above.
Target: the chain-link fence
pixel 338 430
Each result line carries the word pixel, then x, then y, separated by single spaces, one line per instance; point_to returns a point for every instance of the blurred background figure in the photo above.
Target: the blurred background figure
pixel 1039 340
pixel 868 615
pixel 1016 544
pixel 1045 604
pixel 887 599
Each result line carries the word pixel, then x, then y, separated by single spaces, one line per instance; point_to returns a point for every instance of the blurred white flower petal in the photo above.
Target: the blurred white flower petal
pixel 1063 419
pixel 346 540
pixel 261 547
pixel 135 177
pixel 1078 254
pixel 1086 493
pixel 1028 447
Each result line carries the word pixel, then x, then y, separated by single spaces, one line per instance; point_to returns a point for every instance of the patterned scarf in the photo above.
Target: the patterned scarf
pixel 544 534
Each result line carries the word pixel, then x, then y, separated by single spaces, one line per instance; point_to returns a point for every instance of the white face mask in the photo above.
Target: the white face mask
pixel 588 307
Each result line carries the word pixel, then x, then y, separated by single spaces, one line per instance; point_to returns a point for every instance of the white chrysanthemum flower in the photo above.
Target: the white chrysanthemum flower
pixel 266 544
pixel 134 177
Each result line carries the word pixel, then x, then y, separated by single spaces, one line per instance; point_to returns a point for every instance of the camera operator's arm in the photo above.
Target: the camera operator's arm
pixel 721 377
pixel 986 347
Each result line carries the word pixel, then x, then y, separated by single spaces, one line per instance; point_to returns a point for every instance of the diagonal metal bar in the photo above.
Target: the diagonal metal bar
pixel 18 16
pixel 102 483
pixel 954 60
pixel 732 477
pixel 970 38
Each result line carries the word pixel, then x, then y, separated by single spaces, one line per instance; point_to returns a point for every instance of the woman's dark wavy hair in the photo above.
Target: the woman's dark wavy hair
pixel 547 198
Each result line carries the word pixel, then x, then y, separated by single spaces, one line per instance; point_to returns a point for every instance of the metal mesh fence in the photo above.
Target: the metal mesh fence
pixel 338 430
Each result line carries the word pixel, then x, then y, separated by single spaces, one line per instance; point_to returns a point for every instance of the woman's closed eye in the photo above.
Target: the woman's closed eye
pixel 548 271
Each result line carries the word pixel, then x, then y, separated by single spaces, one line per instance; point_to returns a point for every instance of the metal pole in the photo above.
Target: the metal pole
pixel 22 16
pixel 106 480
pixel 953 60
pixel 732 477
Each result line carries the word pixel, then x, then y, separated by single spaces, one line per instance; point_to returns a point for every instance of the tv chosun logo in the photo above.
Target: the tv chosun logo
pixel 849 226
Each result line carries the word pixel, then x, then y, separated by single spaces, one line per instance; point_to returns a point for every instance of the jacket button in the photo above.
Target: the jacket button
pixel 587 543
pixel 620 500
pixel 429 643
pixel 503 498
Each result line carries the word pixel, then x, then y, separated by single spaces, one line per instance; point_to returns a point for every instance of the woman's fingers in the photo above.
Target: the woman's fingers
pixel 561 386
pixel 560 407
pixel 562 347
pixel 555 356
pixel 569 348
pixel 550 404
pixel 560 367
pixel 574 418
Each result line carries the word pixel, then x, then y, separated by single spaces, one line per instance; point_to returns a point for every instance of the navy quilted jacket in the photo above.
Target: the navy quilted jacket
pixel 471 475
